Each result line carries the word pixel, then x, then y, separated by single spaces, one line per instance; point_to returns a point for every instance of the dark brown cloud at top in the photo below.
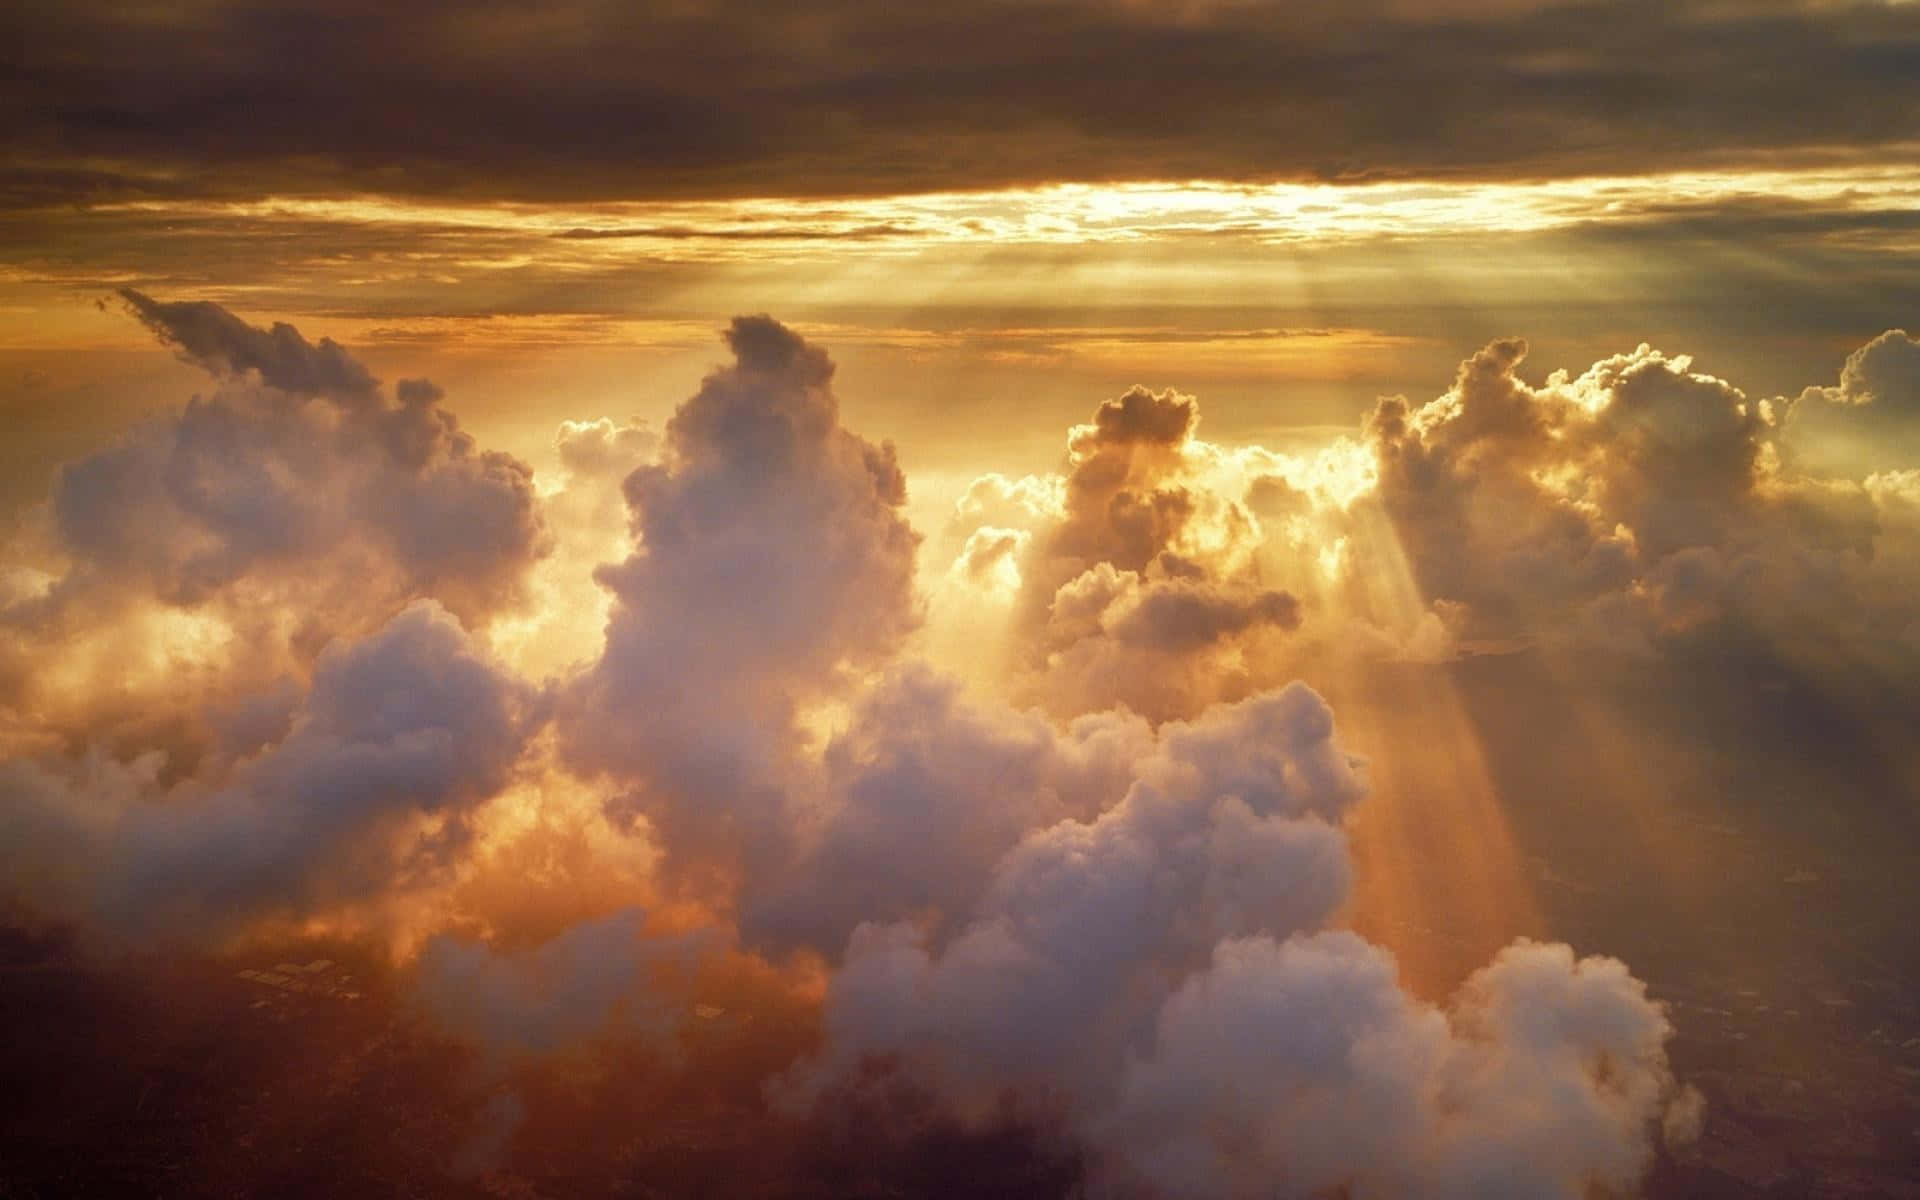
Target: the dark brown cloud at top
pixel 592 98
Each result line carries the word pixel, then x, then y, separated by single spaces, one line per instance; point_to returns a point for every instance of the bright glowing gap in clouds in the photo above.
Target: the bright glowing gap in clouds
pixel 1077 213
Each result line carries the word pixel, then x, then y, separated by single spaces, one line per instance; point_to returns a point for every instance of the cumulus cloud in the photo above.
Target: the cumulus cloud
pixel 1157 977
pixel 922 765
pixel 1300 1068
pixel 1869 420
pixel 1226 831
pixel 214 551
pixel 400 737
pixel 310 463
pixel 1133 575
pixel 1638 502
pixel 772 560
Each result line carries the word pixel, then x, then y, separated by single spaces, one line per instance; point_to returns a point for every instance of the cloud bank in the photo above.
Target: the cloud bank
pixel 590 102
pixel 1055 830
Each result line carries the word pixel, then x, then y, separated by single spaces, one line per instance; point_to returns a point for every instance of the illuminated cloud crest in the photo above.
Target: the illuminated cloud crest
pixel 1635 504
pixel 213 552
pixel 1871 419
pixel 1134 576
pixel 1300 1069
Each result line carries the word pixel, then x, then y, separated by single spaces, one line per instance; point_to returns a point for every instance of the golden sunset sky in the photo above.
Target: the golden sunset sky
pixel 1206 598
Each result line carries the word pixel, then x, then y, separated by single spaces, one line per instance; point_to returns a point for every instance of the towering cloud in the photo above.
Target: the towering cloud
pixel 1135 575
pixel 773 562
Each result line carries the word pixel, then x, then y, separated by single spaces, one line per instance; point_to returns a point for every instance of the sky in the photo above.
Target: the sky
pixel 1189 599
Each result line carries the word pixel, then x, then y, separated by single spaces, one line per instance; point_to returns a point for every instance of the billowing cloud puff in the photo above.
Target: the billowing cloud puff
pixel 380 765
pixel 1637 502
pixel 1154 976
pixel 1871 419
pixel 772 560
pixel 921 765
pixel 1125 501
pixel 1135 575
pixel 1299 1068
pixel 218 549
pixel 603 448
pixel 1225 832
pixel 1886 372
pixel 310 465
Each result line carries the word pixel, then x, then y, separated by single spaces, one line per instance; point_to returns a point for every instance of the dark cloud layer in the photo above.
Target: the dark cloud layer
pixel 593 98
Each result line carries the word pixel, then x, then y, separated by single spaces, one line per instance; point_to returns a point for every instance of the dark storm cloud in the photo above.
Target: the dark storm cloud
pixel 728 97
